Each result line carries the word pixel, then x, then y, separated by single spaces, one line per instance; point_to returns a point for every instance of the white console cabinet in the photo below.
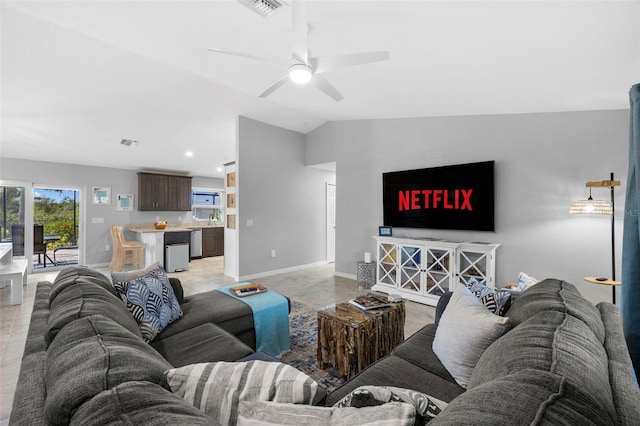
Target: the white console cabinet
pixel 422 270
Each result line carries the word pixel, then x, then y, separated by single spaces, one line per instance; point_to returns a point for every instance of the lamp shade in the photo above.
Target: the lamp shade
pixel 591 206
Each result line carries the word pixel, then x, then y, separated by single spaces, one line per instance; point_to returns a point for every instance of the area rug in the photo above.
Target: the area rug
pixel 303 328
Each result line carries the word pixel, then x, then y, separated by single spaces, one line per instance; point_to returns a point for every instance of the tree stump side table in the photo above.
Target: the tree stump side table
pixel 350 339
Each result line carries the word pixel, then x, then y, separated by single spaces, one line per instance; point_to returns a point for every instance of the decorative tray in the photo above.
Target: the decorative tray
pixel 248 289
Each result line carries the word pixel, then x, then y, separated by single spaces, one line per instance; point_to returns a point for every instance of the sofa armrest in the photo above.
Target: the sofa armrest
pixel 177 289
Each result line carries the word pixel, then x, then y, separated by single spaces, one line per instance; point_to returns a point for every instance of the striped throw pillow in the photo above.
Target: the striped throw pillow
pixel 276 414
pixel 217 388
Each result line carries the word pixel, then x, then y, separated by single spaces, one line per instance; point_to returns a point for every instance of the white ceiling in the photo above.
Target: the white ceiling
pixel 78 76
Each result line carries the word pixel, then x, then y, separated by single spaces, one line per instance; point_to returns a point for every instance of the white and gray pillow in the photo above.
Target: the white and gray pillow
pixel 465 330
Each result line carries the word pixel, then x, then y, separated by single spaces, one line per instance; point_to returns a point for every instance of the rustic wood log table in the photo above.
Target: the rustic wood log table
pixel 350 339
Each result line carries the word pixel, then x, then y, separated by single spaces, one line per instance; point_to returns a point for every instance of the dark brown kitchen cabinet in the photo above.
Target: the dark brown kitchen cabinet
pixel 213 241
pixel 157 192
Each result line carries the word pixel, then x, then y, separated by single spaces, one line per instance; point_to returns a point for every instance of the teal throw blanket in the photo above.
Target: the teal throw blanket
pixel 270 319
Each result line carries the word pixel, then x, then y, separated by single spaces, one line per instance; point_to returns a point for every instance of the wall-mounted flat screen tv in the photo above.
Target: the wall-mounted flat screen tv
pixel 450 197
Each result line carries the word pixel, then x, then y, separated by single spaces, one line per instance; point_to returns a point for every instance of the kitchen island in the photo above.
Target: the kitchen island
pixel 155 239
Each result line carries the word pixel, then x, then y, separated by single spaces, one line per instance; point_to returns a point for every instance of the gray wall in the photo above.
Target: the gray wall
pixel 321 145
pixel 121 181
pixel 542 164
pixel 284 199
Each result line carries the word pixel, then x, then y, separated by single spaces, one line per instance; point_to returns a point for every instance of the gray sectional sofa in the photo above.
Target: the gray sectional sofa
pixel 565 361
pixel 85 355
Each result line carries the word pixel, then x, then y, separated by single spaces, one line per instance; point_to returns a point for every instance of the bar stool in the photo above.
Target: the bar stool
pixel 125 252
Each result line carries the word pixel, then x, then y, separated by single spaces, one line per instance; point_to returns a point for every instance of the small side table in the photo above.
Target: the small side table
pixel 350 339
pixel 612 283
pixel 365 274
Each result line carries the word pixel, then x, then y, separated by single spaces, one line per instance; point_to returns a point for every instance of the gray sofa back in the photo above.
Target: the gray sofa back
pixel 564 362
pixel 85 361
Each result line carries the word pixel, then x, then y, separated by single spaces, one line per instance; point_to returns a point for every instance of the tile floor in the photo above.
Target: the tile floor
pixel 316 286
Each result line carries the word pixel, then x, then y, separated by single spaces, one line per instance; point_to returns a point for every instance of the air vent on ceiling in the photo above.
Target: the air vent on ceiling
pixel 129 142
pixel 262 7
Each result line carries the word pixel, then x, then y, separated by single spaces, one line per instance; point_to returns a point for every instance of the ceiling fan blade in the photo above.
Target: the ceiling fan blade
pixel 273 88
pixel 234 53
pixel 327 88
pixel 329 63
pixel 299 31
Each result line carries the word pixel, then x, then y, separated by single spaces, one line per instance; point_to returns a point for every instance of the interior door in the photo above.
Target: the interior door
pixel 331 223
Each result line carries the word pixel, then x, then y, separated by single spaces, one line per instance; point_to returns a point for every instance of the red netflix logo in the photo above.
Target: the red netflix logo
pixel 418 199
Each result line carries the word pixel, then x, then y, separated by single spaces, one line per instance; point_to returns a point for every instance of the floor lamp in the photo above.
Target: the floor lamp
pixel 600 207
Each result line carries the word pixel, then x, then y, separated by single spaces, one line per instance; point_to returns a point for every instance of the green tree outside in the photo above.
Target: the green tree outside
pixel 58 217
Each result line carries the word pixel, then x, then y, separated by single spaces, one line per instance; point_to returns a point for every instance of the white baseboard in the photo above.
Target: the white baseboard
pixel 343 275
pixel 280 271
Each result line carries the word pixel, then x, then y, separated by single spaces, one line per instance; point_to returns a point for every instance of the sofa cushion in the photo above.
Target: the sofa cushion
pixel 558 343
pixel 92 354
pixel 426 407
pixel 217 308
pixel 39 318
pixel 79 274
pixel 28 401
pixel 527 397
pixel 276 414
pixel 465 330
pixel 418 350
pixel 150 298
pixel 204 343
pixel 443 301
pixel 176 285
pixel 555 295
pixel 82 299
pixel 138 403
pixel 626 395
pixel 385 373
pixel 217 388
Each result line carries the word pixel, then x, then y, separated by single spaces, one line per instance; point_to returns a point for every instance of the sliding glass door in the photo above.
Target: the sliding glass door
pixel 12 216
pixel 57 211
pixel 42 223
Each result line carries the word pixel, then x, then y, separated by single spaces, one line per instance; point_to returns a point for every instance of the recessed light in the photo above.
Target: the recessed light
pixel 189 154
pixel 219 169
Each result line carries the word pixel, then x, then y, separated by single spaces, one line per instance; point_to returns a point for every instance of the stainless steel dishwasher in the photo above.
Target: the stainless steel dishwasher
pixel 196 243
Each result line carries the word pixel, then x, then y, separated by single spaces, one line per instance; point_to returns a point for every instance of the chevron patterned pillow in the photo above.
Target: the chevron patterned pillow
pixel 150 298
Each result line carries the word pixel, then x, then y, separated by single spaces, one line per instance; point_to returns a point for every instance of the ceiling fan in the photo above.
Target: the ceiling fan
pixel 303 68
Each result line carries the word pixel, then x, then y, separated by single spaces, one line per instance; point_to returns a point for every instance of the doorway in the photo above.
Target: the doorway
pixel 57 211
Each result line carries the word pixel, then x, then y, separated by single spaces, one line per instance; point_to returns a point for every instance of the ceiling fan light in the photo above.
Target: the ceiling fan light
pixel 300 73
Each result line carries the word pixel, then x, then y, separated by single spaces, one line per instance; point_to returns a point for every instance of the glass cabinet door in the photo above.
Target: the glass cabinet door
pixel 410 267
pixel 438 269
pixel 472 264
pixel 387 267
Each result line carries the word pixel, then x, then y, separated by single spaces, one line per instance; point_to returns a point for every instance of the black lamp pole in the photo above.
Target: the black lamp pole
pixel 613 241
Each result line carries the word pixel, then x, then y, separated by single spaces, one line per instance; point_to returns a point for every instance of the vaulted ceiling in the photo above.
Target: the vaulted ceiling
pixel 79 76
